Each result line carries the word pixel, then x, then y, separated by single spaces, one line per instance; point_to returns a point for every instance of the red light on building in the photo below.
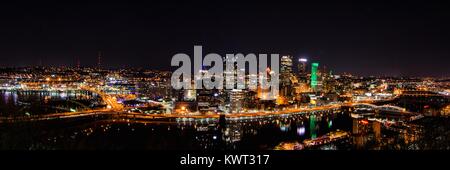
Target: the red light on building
pixel 364 122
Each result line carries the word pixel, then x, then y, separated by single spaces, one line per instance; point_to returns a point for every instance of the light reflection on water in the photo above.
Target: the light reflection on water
pixel 253 135
pixel 257 134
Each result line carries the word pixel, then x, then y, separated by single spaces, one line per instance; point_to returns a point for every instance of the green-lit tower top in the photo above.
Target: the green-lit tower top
pixel 314 67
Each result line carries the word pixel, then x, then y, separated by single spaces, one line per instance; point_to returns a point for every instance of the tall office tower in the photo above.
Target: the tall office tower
pixel 229 72
pixel 285 76
pixel 286 65
pixel 266 94
pixel 329 82
pixel 302 65
pixel 314 67
pixel 302 72
pixel 286 69
pixel 237 100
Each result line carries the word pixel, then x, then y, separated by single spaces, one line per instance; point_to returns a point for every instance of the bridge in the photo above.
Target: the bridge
pixel 421 93
pixel 55 116
pixel 150 117
pixel 108 99
pixel 381 108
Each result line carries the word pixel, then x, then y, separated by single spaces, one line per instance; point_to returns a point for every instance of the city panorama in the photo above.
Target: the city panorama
pixel 106 76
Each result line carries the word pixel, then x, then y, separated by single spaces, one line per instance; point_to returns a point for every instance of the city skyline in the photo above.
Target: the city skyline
pixel 224 84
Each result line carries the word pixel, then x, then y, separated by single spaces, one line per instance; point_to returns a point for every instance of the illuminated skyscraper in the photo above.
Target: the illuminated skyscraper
pixel 286 65
pixel 314 67
pixel 230 74
pixel 237 100
pixel 302 65
pixel 285 76
pixel 208 101
pixel 302 73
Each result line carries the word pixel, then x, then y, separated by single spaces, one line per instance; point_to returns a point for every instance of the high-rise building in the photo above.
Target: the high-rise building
pixel 329 83
pixel 208 101
pixel 266 94
pixel 302 72
pixel 314 69
pixel 286 65
pixel 231 74
pixel 285 76
pixel 237 100
pixel 302 65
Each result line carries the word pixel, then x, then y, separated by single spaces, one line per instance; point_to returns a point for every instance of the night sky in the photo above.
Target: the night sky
pixel 410 38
